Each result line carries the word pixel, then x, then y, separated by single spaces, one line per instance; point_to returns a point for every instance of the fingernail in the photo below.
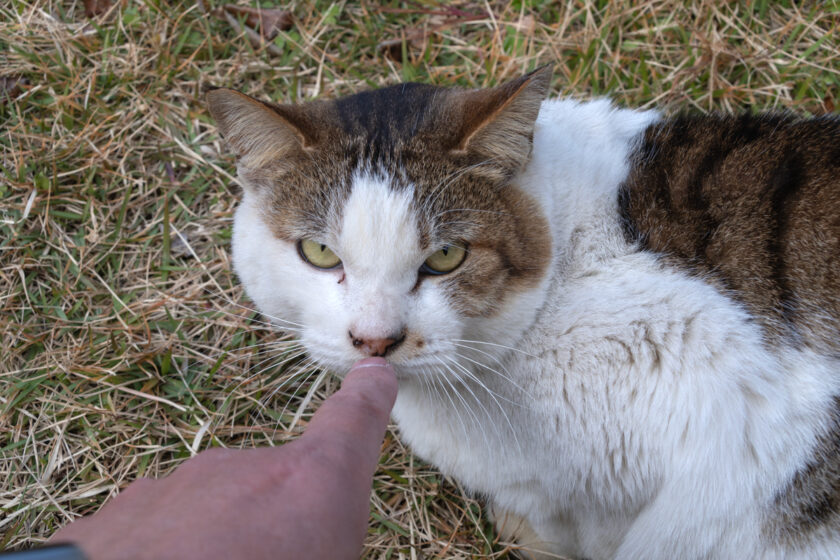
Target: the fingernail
pixel 372 362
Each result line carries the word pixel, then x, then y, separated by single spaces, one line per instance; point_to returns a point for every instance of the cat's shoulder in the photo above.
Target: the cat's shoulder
pixel 599 116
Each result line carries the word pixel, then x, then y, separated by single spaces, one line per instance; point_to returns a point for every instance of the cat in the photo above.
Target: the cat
pixel 622 329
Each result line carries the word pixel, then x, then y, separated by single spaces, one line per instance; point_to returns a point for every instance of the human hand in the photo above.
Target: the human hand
pixel 306 499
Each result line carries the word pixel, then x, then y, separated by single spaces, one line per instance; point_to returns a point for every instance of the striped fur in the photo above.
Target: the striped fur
pixel 751 204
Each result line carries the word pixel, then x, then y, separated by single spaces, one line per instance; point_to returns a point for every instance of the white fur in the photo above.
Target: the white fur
pixel 626 410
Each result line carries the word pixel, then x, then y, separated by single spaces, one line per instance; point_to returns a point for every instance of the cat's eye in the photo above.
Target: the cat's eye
pixel 445 260
pixel 318 254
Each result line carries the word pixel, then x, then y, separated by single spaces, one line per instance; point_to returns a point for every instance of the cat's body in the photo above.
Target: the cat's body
pixel 616 382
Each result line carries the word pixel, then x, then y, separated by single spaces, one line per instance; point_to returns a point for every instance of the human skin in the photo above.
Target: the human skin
pixel 306 499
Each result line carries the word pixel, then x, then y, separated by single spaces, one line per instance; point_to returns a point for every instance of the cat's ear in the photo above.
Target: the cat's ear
pixel 498 123
pixel 257 131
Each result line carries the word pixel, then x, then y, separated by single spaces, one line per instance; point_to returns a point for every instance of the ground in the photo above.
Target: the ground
pixel 127 343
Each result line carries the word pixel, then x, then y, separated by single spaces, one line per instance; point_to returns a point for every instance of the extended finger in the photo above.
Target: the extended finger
pixel 358 413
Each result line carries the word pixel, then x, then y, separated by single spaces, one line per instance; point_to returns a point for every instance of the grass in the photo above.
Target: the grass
pixel 127 344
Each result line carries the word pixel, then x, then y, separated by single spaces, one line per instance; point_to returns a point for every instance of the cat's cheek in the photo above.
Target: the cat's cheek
pixel 434 326
pixel 325 336
pixel 269 268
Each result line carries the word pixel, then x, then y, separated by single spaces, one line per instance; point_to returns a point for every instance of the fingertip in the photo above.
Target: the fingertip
pixel 376 370
pixel 358 412
pixel 375 362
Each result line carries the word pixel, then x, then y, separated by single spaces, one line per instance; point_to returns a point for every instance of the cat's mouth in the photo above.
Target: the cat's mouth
pixel 410 353
pixel 432 362
pixel 406 352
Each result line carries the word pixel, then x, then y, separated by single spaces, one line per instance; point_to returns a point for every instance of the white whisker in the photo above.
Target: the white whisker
pixel 460 397
pixel 511 348
pixel 449 180
pixel 266 325
pixel 307 365
pixel 470 376
pixel 308 398
pixel 454 406
pixel 457 222
pixel 493 396
pixel 264 348
pixel 278 319
pixel 507 377
pixel 273 365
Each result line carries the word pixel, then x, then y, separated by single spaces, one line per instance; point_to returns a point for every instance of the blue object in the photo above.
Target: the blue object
pixel 56 552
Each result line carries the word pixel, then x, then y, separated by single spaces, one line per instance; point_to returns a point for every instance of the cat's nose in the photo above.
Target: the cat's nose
pixel 376 346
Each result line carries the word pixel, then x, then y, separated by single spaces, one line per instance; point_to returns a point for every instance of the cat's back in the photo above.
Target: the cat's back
pixel 752 203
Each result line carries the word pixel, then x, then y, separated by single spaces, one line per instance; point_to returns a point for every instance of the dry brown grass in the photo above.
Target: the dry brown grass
pixel 127 345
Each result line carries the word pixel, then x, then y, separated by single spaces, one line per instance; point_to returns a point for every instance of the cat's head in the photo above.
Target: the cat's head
pixel 391 222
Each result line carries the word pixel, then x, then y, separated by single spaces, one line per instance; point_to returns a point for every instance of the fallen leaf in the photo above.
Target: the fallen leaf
pixel 527 25
pixel 180 246
pixel 269 21
pixel 170 172
pixel 96 7
pixel 392 48
pixel 11 86
pixel 828 103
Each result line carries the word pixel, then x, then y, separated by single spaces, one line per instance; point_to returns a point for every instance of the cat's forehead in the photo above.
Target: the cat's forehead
pixel 396 138
pixel 379 229
pixel 390 116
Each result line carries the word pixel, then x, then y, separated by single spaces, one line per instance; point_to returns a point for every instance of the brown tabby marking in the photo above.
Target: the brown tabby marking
pixel 811 502
pixel 752 203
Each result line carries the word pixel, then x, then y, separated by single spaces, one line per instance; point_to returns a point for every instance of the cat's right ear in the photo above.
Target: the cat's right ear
pixel 498 123
pixel 257 131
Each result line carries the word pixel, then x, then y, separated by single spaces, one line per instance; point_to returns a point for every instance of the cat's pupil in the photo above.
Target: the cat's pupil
pixel 323 248
pixel 445 250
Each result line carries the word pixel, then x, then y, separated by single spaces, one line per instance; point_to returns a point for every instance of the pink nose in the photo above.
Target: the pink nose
pixel 376 346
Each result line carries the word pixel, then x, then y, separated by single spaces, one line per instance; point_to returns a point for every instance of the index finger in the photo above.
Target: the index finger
pixel 356 417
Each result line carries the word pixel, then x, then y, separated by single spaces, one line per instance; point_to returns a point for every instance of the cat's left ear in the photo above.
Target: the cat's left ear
pixel 498 123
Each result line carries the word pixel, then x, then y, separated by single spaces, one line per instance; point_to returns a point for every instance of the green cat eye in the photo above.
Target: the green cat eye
pixel 445 260
pixel 318 254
